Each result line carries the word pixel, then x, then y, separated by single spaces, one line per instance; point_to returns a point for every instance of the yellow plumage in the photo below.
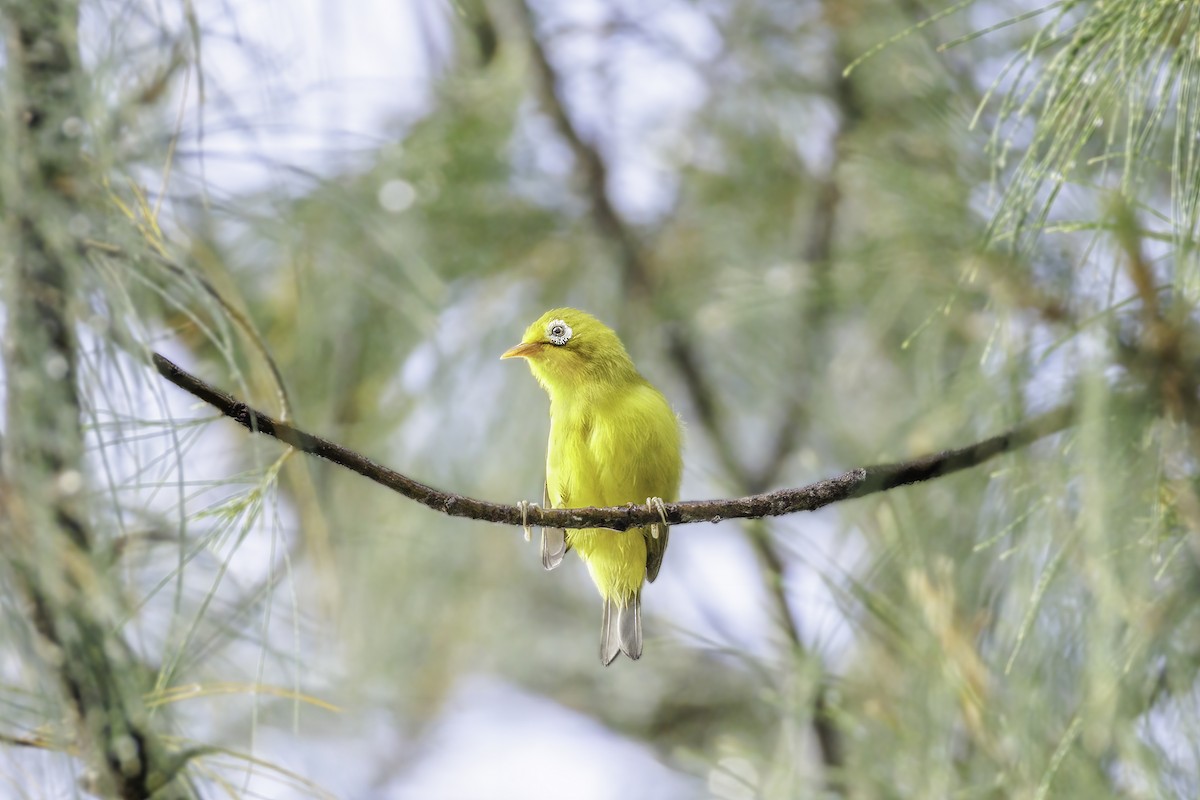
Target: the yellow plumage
pixel 613 440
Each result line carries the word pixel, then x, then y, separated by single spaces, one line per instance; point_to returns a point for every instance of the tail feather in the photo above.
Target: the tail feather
pixel 610 644
pixel 621 630
pixel 629 627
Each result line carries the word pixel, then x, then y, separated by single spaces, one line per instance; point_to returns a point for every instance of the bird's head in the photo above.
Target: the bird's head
pixel 569 350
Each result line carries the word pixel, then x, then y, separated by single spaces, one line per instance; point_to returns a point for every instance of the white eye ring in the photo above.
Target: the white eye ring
pixel 558 332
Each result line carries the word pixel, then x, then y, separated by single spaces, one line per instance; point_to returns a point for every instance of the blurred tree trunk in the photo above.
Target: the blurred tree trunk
pixel 43 519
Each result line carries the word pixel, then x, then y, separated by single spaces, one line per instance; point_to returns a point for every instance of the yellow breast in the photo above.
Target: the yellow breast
pixel 610 453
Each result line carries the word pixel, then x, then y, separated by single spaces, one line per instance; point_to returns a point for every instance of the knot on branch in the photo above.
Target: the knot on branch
pixel 244 416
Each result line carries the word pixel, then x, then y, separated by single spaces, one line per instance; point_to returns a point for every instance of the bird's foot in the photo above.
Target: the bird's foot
pixel 656 504
pixel 525 505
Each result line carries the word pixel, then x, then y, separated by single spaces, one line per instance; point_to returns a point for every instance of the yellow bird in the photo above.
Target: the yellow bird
pixel 614 439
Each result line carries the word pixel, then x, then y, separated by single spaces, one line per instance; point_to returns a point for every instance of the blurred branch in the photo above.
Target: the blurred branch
pixel 855 483
pixel 240 319
pixel 794 419
pixel 595 172
pixel 957 69
pixel 818 255
pixel 299 482
pixel 681 346
pixel 47 546
pixel 1163 352
pixel 32 740
pixel 687 362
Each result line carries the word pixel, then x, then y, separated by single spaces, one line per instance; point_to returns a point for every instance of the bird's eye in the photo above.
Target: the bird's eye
pixel 558 332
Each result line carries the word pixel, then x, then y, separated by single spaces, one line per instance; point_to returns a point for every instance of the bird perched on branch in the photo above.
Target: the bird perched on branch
pixel 613 440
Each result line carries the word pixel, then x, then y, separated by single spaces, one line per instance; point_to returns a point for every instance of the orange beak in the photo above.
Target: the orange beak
pixel 523 350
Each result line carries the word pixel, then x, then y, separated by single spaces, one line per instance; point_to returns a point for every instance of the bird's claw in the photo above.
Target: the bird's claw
pixel 656 504
pixel 525 505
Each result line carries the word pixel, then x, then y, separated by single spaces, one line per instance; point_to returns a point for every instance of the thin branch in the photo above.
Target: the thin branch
pixel 590 162
pixel 32 740
pixel 192 276
pixel 854 483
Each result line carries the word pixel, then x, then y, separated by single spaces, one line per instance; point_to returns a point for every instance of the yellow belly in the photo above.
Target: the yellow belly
pixel 615 559
pixel 622 448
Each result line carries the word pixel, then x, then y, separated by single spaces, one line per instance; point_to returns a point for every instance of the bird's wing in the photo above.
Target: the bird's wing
pixel 554 540
pixel 637 446
pixel 655 550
